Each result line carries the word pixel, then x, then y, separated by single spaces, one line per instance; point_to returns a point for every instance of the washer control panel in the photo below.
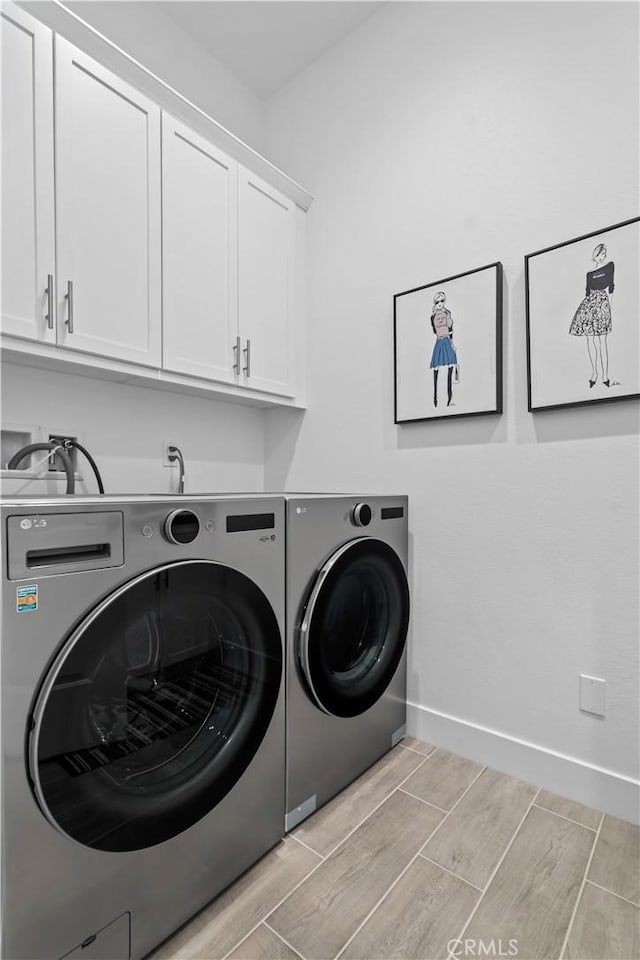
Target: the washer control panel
pixel 361 515
pixel 182 526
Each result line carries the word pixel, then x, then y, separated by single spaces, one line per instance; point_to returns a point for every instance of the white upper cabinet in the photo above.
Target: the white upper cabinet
pixel 107 212
pixel 28 236
pixel 228 266
pixel 133 244
pixel 266 231
pixel 199 255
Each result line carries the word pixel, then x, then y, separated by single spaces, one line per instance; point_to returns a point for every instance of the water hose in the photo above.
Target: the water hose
pixel 52 447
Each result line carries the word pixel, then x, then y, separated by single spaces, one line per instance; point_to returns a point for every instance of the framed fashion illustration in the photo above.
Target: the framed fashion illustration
pixel 583 319
pixel 448 347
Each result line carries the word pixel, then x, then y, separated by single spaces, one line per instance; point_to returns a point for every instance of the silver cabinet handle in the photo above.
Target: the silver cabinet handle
pixel 247 352
pixel 49 292
pixel 236 362
pixel 69 298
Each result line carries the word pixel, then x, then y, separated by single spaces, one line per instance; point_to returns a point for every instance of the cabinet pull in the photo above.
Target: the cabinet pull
pixel 236 362
pixel 69 298
pixel 49 292
pixel 247 353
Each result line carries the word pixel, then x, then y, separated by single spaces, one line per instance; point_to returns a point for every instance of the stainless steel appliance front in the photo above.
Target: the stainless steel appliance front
pixel 347 621
pixel 142 714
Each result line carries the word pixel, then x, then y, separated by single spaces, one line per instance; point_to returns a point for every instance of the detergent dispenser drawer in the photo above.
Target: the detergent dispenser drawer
pixel 46 545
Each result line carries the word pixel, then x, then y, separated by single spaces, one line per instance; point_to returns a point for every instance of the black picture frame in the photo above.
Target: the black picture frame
pixel 496 330
pixel 532 406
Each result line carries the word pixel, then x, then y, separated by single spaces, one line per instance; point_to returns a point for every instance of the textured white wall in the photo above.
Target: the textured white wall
pixel 124 428
pixel 439 137
pixel 146 33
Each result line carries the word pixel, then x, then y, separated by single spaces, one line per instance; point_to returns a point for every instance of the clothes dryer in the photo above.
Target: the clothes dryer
pixel 142 714
pixel 347 621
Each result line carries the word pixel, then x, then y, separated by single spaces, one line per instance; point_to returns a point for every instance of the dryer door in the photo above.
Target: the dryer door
pixel 354 628
pixel 155 706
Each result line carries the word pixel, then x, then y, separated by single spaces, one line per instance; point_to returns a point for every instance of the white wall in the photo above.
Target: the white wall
pixel 146 33
pixel 436 138
pixel 124 428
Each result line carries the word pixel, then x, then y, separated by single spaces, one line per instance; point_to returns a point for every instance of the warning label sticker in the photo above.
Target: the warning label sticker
pixel 27 598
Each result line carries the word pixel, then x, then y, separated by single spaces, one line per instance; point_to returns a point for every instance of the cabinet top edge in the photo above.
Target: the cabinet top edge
pixel 70 26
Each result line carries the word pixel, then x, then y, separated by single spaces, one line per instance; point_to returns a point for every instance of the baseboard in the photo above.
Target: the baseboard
pixel 594 786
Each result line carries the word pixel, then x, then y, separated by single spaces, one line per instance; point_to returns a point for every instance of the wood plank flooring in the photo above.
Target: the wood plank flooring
pixel 481 827
pixel 417 918
pixel 568 808
pixel 605 926
pixel 322 914
pixel 218 928
pixel 535 888
pixel 443 780
pixel 425 850
pixel 264 944
pixel 331 824
pixel 615 861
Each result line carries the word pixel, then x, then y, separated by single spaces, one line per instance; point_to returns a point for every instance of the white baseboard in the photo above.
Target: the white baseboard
pixel 594 786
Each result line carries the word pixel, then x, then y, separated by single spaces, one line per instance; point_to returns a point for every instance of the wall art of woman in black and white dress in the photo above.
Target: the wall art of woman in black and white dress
pixel 444 354
pixel 592 319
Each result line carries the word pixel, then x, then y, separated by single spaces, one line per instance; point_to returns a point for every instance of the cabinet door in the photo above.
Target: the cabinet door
pixel 265 289
pixel 199 255
pixel 107 212
pixel 28 238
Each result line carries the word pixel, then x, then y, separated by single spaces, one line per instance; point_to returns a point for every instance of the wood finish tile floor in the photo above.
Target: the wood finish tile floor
pixel 424 850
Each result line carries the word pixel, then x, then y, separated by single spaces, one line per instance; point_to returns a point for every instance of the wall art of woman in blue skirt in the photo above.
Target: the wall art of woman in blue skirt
pixel 444 354
pixel 592 319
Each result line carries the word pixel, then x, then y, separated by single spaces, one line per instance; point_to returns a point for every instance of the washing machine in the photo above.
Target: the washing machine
pixel 347 622
pixel 143 764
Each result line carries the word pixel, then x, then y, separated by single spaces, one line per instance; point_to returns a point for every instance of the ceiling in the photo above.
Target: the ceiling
pixel 265 43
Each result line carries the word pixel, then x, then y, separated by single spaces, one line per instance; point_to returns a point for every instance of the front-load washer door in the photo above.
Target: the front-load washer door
pixel 155 706
pixel 354 627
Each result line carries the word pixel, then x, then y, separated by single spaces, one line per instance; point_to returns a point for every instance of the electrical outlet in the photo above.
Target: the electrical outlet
pixel 165 453
pixel 61 438
pixel 593 695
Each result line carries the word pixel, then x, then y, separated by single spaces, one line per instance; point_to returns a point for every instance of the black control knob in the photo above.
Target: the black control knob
pixel 361 515
pixel 181 526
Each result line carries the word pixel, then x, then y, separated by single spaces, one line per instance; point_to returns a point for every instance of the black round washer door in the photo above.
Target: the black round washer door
pixel 155 706
pixel 354 628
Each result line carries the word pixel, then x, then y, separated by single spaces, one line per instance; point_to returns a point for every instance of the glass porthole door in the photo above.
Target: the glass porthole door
pixel 354 627
pixel 155 706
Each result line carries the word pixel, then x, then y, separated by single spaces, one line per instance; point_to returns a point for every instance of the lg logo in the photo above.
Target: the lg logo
pixel 27 524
